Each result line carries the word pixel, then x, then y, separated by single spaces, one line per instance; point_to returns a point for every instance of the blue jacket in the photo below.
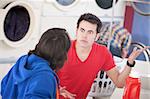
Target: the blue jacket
pixel 30 77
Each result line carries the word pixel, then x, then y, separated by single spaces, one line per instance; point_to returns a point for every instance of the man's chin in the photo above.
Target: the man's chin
pixel 84 45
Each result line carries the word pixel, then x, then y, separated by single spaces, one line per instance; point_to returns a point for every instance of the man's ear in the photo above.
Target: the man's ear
pixel 76 30
pixel 97 36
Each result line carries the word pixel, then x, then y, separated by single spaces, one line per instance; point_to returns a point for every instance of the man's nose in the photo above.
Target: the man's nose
pixel 85 34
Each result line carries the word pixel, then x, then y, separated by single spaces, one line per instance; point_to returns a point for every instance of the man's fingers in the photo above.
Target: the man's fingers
pixel 66 94
pixel 147 47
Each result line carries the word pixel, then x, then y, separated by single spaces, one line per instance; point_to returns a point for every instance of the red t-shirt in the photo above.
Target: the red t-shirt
pixel 78 76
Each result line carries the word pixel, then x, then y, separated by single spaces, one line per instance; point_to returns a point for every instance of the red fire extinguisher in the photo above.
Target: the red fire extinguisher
pixel 132 88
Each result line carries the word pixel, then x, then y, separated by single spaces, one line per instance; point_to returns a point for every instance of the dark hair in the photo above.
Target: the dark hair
pixel 53 47
pixel 92 19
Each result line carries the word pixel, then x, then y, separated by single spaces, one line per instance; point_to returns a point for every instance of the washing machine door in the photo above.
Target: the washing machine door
pixel 16 23
pixel 107 8
pixel 65 5
pixel 19 30
pixel 105 4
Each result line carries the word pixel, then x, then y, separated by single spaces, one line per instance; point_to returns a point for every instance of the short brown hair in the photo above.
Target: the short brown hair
pixel 53 47
pixel 92 19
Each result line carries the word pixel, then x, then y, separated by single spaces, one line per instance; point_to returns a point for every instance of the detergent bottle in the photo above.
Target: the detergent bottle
pixel 132 87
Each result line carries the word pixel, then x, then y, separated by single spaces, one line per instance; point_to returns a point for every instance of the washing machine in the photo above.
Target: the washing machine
pixel 107 8
pixel 65 13
pixel 77 7
pixel 64 7
pixel 62 13
pixel 19 29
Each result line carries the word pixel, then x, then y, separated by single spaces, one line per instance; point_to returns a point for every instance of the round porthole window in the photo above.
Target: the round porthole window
pixel 105 4
pixel 65 4
pixel 16 23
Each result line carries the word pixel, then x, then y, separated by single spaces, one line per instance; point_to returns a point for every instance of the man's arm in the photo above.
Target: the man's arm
pixel 119 78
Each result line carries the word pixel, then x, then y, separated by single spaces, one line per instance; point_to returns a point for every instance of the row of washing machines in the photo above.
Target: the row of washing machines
pixel 23 21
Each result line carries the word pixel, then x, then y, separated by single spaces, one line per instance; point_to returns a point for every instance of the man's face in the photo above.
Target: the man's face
pixel 86 34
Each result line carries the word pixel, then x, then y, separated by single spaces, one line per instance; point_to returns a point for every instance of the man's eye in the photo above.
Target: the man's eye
pixel 82 30
pixel 90 32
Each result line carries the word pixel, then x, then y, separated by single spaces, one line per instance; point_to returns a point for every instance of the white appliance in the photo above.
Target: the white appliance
pixel 19 29
pixel 62 13
pixel 65 13
pixel 107 10
pixel 103 9
pixel 65 7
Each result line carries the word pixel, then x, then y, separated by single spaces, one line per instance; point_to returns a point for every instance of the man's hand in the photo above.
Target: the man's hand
pixel 135 53
pixel 66 93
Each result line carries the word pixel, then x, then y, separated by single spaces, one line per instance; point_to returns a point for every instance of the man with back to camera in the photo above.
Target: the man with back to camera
pixel 33 76
pixel 86 58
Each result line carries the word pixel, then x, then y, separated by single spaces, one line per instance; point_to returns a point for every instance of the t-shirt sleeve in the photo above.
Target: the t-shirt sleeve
pixel 42 86
pixel 109 61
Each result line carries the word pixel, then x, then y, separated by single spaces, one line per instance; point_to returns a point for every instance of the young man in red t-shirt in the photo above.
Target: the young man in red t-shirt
pixel 86 58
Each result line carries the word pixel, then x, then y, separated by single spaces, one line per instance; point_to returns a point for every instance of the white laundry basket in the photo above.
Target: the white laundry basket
pixel 103 86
